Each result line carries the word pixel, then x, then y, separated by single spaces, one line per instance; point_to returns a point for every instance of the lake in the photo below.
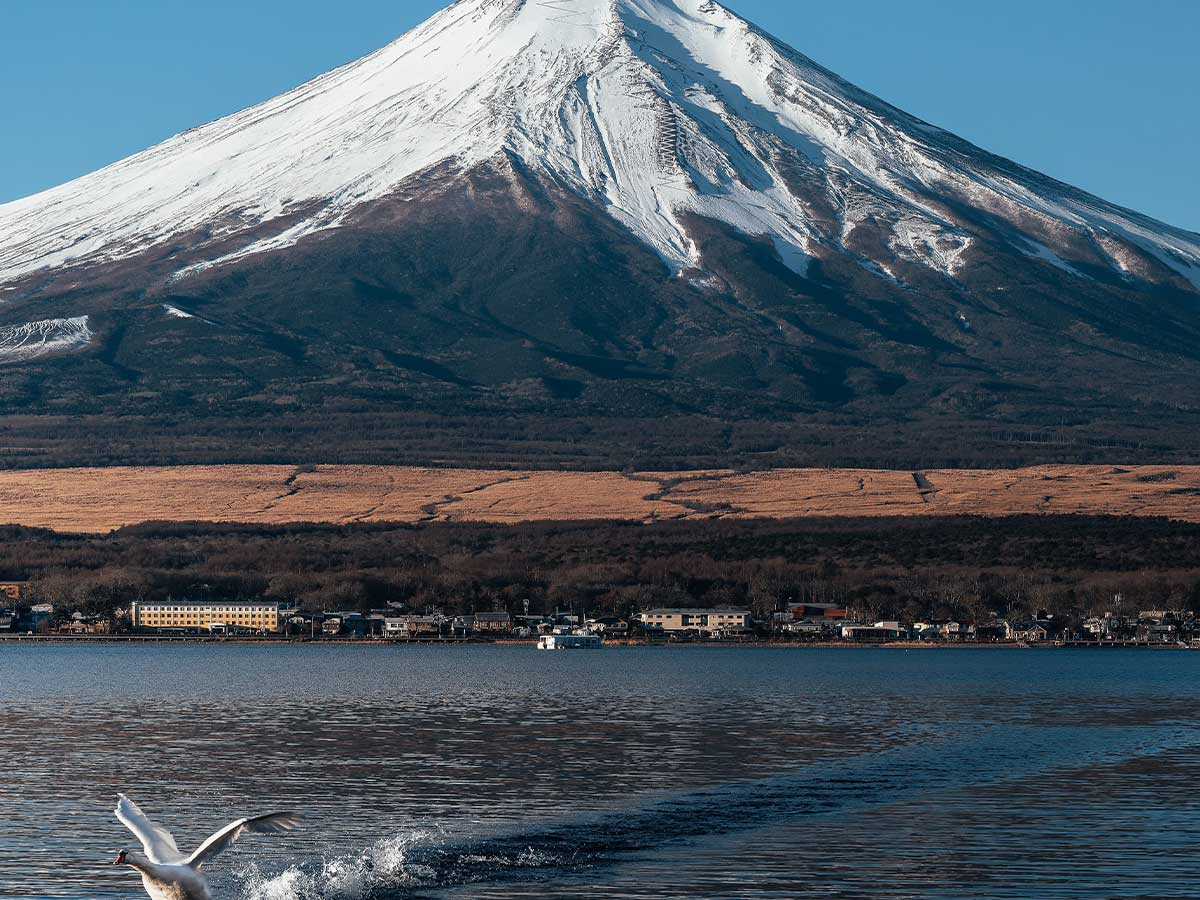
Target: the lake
pixel 481 772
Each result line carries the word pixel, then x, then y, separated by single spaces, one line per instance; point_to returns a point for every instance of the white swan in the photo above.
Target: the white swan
pixel 170 875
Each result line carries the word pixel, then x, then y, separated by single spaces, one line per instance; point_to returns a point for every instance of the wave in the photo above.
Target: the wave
pixel 396 865
pixel 420 860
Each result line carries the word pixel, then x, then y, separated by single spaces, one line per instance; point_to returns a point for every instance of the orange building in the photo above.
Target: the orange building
pixel 13 591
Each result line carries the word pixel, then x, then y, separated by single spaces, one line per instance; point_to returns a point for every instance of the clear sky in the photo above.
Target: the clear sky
pixel 1104 94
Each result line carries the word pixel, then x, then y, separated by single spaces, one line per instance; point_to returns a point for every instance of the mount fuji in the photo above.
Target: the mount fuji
pixel 593 232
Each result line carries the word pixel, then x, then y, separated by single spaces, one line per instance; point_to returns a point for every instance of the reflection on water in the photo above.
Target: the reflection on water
pixel 631 773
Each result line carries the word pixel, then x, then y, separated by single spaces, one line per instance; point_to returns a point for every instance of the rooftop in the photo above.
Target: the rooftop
pixel 205 603
pixel 696 612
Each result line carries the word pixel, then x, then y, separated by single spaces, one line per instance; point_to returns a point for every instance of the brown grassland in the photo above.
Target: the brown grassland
pixel 100 500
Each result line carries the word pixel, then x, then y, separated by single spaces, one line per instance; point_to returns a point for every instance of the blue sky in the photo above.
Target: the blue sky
pixel 1102 94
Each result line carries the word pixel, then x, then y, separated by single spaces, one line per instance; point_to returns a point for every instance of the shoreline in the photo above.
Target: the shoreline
pixel 513 642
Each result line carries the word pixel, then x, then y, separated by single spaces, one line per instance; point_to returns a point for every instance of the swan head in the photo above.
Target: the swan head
pixel 130 858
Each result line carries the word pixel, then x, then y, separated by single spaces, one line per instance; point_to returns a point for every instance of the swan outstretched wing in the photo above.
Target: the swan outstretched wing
pixel 157 842
pixel 275 823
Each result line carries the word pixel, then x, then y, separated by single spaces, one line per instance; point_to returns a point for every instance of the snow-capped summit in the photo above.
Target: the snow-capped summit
pixel 650 109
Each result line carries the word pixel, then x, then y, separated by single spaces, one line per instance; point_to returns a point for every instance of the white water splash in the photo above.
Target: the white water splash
pixel 383 865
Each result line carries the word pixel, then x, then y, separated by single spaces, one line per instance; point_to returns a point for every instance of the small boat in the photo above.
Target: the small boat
pixel 569 640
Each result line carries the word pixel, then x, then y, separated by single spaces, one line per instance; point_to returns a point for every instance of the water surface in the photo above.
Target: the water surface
pixel 474 772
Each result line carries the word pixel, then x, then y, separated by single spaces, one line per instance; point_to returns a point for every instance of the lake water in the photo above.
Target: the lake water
pixel 474 772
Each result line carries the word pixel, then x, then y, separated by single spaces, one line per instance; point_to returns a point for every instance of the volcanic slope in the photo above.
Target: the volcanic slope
pixel 591 233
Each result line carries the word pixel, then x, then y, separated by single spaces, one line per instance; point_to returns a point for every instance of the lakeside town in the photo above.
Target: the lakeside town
pixel 799 623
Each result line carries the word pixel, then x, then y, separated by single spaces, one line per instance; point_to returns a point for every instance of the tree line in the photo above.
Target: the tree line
pixel 910 569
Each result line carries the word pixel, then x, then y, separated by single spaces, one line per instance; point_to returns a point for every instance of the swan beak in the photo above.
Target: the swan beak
pixel 120 860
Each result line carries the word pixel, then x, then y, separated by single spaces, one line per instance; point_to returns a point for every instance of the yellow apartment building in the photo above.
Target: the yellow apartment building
pixel 177 616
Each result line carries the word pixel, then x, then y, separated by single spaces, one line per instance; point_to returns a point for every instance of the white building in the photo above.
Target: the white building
pixel 708 621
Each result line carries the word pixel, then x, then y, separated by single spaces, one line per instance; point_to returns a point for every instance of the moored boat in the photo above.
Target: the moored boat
pixel 570 640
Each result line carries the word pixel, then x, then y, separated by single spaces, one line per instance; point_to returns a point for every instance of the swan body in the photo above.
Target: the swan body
pixel 167 873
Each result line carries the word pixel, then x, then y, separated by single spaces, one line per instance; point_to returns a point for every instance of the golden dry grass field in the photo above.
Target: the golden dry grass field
pixel 101 500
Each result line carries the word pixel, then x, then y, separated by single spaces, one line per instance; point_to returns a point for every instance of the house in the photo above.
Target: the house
pixel 461 628
pixel 993 632
pixel 925 631
pixel 350 624
pixel 872 634
pixel 1159 616
pixel 805 629
pixel 79 624
pixel 613 626
pixel 302 623
pixel 706 621
pixel 1166 633
pixel 1031 632
pixel 407 627
pixel 825 613
pixel 958 632
pixel 493 623
pixel 1107 628
pixel 535 624
pixel 35 618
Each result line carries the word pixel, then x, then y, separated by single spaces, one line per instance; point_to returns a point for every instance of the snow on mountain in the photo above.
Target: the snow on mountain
pixel 650 108
pixel 35 339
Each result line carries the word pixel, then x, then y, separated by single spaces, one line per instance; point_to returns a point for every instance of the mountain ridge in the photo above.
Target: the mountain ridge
pixel 627 215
